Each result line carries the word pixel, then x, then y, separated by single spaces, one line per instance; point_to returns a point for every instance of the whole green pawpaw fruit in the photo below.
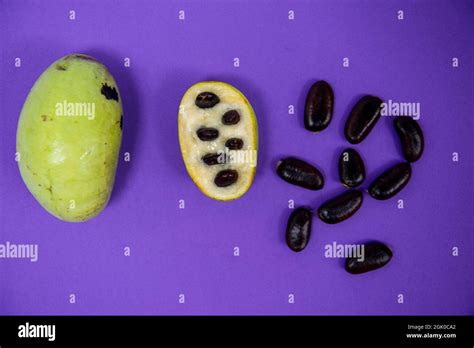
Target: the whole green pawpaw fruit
pixel 68 137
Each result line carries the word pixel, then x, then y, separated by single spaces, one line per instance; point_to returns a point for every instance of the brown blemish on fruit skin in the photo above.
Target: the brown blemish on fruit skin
pixel 46 118
pixel 60 67
pixel 121 121
pixel 109 92
pixel 81 56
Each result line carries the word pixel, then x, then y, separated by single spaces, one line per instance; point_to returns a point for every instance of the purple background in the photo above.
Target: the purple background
pixel 190 251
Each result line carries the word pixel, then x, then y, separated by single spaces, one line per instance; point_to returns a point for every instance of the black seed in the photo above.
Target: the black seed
pixel 207 133
pixel 341 207
pixel 213 158
pixel 226 178
pixel 362 119
pixel 376 255
pixel 411 137
pixel 390 182
pixel 351 168
pixel 234 144
pixel 319 107
pixel 121 121
pixel 298 229
pixel 109 92
pixel 231 117
pixel 206 100
pixel 300 173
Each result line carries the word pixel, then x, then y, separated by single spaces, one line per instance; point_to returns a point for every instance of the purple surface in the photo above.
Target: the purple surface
pixel 190 251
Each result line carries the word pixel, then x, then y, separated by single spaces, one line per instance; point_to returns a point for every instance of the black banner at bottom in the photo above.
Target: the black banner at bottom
pixel 136 330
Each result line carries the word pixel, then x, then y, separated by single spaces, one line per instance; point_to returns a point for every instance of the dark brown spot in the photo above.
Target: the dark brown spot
pixel 206 100
pixel 121 121
pixel 61 67
pixel 46 118
pixel 231 117
pixel 234 144
pixel 213 158
pixel 207 133
pixel 80 56
pixel 226 178
pixel 109 92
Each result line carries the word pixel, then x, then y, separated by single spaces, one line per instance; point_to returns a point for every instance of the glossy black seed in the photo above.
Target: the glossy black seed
pixel 351 168
pixel 362 119
pixel 109 93
pixel 298 229
pixel 411 137
pixel 390 182
pixel 226 178
pixel 207 133
pixel 206 100
pixel 300 173
pixel 341 207
pixel 213 158
pixel 234 144
pixel 319 107
pixel 376 255
pixel 231 117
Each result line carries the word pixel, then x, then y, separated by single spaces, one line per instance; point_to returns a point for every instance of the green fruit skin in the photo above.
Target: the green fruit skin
pixel 68 163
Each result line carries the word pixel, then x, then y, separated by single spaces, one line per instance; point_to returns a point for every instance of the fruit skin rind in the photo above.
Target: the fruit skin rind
pixel 254 131
pixel 63 158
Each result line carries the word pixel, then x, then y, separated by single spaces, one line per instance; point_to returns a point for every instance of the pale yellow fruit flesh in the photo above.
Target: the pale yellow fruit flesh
pixel 191 118
pixel 68 162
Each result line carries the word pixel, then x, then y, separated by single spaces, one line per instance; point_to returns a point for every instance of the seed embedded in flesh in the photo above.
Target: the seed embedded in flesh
pixel 411 137
pixel 298 229
pixel 319 107
pixel 390 182
pixel 212 159
pixel 206 100
pixel 351 168
pixel 376 255
pixel 231 117
pixel 234 144
pixel 300 173
pixel 363 117
pixel 341 207
pixel 207 133
pixel 226 177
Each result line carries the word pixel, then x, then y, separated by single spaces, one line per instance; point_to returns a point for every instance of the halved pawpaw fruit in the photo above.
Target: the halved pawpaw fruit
pixel 218 136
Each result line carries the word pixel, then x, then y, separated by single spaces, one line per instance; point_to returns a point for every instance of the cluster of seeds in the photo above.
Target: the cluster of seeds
pixel 362 119
pixel 226 177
